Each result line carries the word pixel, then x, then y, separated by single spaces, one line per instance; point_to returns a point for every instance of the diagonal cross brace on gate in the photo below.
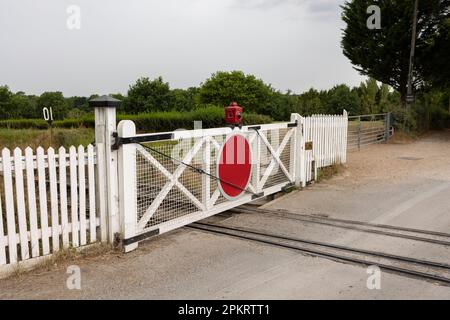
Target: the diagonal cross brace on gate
pixel 172 181
pixel 276 157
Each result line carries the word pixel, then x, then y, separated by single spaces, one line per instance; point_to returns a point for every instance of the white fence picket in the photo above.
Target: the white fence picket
pixel 63 196
pixel 82 194
pixel 91 178
pixel 43 209
pixel 2 237
pixel 53 199
pixel 333 139
pixel 330 139
pixel 339 139
pixel 326 130
pixel 31 197
pixel 9 205
pixel 74 196
pixel 320 140
pixel 20 202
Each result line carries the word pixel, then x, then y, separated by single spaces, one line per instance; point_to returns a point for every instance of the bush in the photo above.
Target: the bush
pixel 404 120
pixel 24 124
pixel 87 121
pixel 211 116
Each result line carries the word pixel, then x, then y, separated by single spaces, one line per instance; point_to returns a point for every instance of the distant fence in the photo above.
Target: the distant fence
pixel 364 130
pixel 47 202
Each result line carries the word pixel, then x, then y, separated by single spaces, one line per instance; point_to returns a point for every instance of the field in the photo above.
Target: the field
pixel 12 138
pixel 75 131
pixel 22 138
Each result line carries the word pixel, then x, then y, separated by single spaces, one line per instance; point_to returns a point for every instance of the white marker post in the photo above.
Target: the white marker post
pixel 48 116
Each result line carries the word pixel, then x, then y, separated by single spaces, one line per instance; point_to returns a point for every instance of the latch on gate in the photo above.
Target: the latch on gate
pixel 116 143
pixel 142 138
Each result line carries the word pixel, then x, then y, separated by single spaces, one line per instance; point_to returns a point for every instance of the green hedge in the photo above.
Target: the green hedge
pixel 149 122
pixel 23 124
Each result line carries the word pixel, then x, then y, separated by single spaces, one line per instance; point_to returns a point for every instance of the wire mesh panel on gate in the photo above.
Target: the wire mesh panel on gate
pixel 171 176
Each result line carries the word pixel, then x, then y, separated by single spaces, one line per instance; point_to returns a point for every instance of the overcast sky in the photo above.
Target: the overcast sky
pixel 292 44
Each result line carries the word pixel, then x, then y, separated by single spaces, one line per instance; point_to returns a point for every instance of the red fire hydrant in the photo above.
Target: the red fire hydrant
pixel 233 115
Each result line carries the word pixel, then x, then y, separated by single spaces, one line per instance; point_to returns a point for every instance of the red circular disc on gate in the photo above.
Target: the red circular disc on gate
pixel 234 166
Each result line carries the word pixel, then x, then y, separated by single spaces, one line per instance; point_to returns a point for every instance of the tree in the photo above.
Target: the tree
pixel 311 102
pixel 16 105
pixel 435 65
pixel 279 106
pixel 5 102
pixel 387 100
pixel 368 91
pixel 23 106
pixel 340 98
pixel 122 99
pixel 148 96
pixel 184 100
pixel 224 87
pixel 384 53
pixel 56 101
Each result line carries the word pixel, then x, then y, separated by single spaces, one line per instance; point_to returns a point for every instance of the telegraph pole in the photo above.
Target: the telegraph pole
pixel 409 92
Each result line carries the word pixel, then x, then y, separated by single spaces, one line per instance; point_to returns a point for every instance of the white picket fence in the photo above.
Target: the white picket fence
pixel 47 202
pixel 327 135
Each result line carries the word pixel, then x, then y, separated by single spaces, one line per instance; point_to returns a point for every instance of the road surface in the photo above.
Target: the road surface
pixel 403 184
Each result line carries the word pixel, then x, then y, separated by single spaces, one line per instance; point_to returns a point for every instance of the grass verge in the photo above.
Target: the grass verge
pixel 326 173
pixel 64 257
pixel 22 138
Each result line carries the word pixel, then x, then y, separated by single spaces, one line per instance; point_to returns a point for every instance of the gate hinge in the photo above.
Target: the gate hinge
pixel 293 124
pixel 140 237
pixel 116 143
pixel 289 187
pixel 258 195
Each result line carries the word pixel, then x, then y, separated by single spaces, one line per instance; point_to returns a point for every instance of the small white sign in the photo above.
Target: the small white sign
pixel 48 114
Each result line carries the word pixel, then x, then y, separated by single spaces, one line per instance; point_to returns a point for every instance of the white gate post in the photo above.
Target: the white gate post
pixel 105 127
pixel 298 156
pixel 127 184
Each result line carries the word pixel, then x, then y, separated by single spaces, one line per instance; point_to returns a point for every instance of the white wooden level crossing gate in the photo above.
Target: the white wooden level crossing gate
pixel 167 180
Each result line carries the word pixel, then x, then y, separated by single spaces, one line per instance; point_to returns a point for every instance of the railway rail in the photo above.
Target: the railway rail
pixel 434 237
pixel 418 268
